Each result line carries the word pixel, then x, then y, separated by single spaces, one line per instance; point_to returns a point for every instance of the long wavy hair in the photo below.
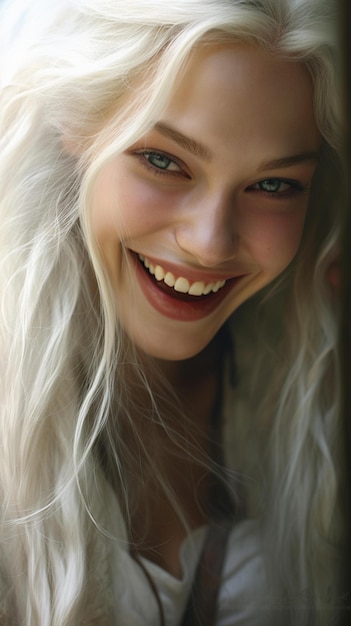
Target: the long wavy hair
pixel 80 82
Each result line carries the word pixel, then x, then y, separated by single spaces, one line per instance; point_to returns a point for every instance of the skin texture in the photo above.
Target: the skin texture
pixel 208 216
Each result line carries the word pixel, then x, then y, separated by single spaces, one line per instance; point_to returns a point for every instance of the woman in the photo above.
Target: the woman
pixel 169 177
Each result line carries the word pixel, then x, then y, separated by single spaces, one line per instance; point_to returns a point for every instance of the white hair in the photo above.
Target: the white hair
pixel 64 70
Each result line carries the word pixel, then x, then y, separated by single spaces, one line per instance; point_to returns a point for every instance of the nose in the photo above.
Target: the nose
pixel 207 230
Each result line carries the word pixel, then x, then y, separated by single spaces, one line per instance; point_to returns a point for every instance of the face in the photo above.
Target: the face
pixel 209 206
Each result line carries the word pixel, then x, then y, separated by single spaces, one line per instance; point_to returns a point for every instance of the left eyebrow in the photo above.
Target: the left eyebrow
pixel 204 153
pixel 290 160
pixel 186 142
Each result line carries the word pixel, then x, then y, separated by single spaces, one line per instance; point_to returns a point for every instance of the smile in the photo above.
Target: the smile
pixel 174 296
pixel 179 283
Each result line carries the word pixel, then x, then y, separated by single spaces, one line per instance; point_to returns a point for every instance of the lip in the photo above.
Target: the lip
pixel 181 307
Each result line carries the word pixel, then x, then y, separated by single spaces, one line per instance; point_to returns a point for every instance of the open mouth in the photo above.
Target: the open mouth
pixel 178 297
pixel 175 296
pixel 179 287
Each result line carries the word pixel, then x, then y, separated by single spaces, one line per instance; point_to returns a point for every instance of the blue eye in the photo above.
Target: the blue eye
pixel 159 162
pixel 277 186
pixel 272 185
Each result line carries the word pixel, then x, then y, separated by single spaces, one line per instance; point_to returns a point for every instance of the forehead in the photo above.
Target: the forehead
pixel 244 92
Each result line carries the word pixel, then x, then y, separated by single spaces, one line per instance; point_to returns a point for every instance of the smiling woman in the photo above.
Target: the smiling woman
pixel 226 197
pixel 170 187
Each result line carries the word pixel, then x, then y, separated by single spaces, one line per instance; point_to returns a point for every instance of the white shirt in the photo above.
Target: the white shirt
pixel 242 596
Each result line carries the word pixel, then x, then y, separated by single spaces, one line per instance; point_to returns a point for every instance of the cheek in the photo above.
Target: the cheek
pixel 104 221
pixel 273 239
pixel 141 208
pixel 128 207
pixel 147 208
pixel 124 209
pixel 104 206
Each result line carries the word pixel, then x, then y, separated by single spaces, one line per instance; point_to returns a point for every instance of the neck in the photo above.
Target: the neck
pixel 186 467
pixel 182 374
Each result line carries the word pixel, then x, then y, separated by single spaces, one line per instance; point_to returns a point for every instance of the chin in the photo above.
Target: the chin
pixel 175 349
pixel 179 353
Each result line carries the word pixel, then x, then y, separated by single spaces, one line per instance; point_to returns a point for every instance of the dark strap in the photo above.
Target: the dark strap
pixel 201 608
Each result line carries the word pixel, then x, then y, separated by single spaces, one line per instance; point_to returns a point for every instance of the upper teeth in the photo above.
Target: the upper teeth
pixel 179 283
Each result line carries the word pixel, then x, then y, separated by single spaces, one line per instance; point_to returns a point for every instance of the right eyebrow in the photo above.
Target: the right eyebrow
pixel 184 141
pixel 288 161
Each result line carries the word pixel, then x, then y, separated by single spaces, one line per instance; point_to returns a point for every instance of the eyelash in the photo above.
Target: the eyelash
pixel 294 185
pixel 158 171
